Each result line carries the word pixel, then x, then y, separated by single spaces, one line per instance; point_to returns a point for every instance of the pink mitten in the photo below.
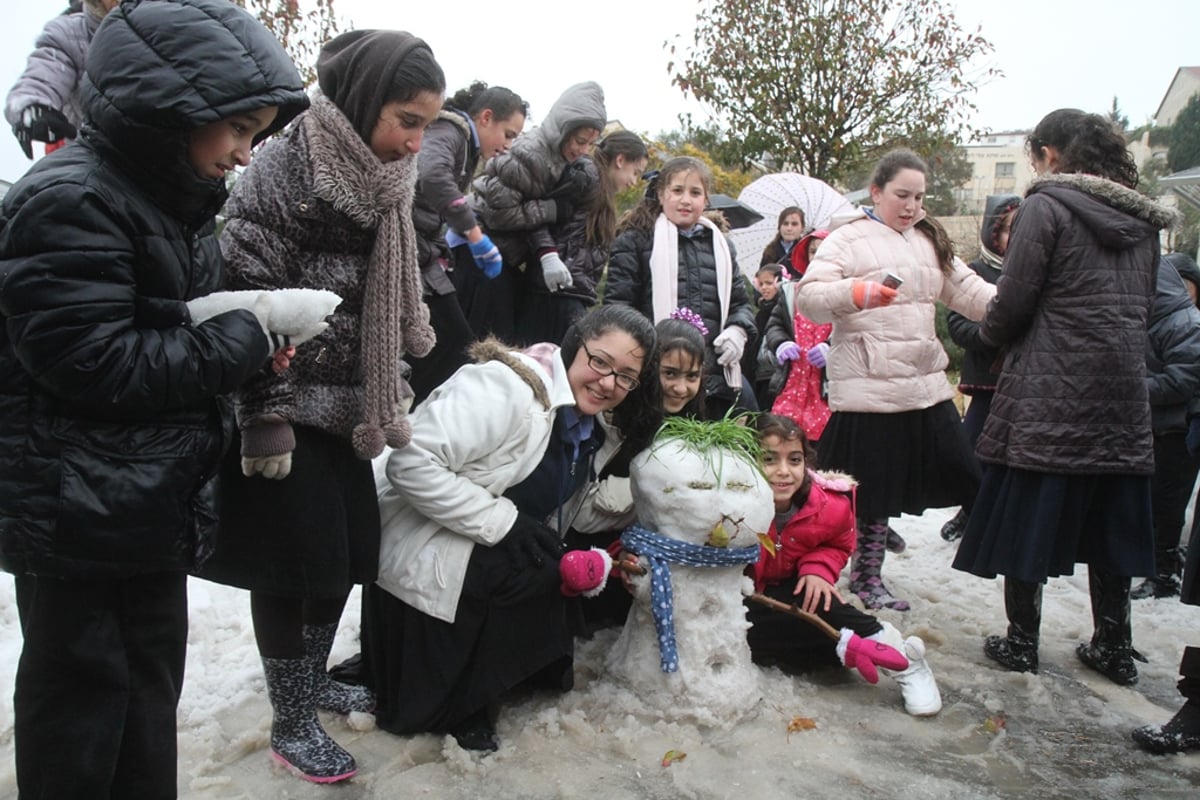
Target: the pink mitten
pixel 865 655
pixel 584 572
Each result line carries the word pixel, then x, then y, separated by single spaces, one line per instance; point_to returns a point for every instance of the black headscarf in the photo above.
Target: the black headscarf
pixel 355 70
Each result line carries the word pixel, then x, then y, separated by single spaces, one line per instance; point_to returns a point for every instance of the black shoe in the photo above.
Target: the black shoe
pixel 1159 586
pixel 1114 663
pixel 476 732
pixel 1182 733
pixel 1018 656
pixel 895 542
pixel 954 527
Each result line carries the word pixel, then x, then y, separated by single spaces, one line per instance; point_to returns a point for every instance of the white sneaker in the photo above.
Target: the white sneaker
pixel 921 695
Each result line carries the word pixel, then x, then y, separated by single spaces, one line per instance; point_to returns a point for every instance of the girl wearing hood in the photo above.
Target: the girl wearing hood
pixel 1067 448
pixel 978 379
pixel 113 420
pixel 894 425
pixel 328 205
pixel 468 602
pixel 535 186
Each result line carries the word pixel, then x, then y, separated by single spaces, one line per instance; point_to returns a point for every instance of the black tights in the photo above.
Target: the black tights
pixel 279 621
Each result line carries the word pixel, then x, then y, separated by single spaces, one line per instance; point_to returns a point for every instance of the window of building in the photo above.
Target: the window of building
pixel 1006 169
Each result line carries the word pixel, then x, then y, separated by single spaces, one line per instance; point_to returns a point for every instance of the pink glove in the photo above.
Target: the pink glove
pixel 871 294
pixel 788 351
pixel 865 655
pixel 817 354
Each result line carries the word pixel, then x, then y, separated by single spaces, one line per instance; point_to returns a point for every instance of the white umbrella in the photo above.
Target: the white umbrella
pixel 771 194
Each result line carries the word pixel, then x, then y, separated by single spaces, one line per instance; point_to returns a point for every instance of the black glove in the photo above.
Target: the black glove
pixel 534 542
pixel 41 124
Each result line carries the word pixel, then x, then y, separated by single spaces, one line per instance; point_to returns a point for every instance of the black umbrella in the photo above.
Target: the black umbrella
pixel 737 214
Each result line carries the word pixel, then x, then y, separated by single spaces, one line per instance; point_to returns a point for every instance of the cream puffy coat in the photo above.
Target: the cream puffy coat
pixel 889 359
pixel 480 433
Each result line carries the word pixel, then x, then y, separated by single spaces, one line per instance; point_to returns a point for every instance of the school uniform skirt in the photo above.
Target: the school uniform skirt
pixel 1034 525
pixel 906 461
pixel 314 534
pixel 511 627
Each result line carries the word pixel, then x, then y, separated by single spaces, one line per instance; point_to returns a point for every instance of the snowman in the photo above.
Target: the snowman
pixel 702 501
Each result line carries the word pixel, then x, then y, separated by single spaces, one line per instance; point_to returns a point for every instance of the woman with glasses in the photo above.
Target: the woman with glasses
pixel 468 601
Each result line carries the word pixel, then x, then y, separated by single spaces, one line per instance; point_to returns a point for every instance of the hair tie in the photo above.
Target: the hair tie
pixel 691 318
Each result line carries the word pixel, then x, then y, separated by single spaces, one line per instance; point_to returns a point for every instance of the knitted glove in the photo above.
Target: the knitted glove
pixel 487 256
pixel 584 572
pixel 729 345
pixel 871 294
pixel 532 542
pixel 788 351
pixel 42 124
pixel 817 354
pixel 555 273
pixel 267 450
pixel 866 655
pixel 1193 436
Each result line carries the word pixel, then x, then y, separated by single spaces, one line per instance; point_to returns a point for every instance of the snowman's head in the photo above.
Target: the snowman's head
pixel 701 482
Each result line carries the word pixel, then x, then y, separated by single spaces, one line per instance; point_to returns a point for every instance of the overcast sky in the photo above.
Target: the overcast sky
pixel 1054 53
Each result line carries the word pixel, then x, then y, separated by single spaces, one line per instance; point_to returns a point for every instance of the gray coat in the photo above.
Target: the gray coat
pixel 1071 309
pixel 1172 352
pixel 55 68
pixel 449 158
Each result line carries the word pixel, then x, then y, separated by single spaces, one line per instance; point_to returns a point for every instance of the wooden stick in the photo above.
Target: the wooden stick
pixel 797 611
pixel 762 599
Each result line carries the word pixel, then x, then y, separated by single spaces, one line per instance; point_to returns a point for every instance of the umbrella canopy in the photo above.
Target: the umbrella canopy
pixel 737 213
pixel 771 194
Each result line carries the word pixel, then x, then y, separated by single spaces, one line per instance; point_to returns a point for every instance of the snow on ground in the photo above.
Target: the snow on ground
pixel 1061 734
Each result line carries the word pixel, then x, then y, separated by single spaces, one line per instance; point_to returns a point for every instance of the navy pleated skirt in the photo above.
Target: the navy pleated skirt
pixel 1034 525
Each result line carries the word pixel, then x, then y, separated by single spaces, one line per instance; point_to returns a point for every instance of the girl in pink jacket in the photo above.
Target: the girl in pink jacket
pixel 813 535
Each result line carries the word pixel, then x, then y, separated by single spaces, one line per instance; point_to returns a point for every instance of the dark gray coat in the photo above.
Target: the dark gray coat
pixel 449 158
pixel 1071 311
pixel 1172 352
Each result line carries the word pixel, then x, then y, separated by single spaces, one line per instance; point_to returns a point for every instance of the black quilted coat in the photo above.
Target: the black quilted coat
pixel 111 417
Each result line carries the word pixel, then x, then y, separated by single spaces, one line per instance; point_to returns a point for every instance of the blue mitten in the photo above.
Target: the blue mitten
pixel 487 256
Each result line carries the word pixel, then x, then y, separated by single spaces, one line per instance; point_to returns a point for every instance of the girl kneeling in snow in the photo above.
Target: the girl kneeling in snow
pixel 814 534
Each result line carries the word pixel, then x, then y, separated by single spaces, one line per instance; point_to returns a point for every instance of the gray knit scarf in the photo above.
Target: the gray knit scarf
pixel 395 321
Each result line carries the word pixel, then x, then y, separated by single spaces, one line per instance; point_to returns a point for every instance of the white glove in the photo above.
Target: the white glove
pixel 276 467
pixel 729 345
pixel 555 273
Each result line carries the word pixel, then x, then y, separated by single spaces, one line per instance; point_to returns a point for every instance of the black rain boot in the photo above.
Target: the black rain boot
pixel 1165 583
pixel 895 542
pixel 341 698
pixel 954 527
pixel 1182 733
pixel 865 569
pixel 1111 650
pixel 477 732
pixel 1018 651
pixel 297 739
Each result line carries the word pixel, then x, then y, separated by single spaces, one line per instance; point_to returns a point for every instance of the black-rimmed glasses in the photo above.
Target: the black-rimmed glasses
pixel 602 368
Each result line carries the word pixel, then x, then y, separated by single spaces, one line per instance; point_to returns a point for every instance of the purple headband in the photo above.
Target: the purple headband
pixel 691 318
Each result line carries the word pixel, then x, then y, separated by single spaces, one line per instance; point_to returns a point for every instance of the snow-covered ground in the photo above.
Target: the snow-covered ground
pixel 1061 734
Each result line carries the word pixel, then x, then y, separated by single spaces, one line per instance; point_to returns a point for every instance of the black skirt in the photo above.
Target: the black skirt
pixel 314 534
pixel 1034 525
pixel 511 626
pixel 904 462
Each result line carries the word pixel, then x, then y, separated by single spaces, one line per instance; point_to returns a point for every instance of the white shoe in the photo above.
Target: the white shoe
pixel 920 690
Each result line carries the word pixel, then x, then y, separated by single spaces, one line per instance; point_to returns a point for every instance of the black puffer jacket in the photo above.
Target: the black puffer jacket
pixel 1172 351
pixel 1071 309
pixel 111 417
pixel 979 358
pixel 629 283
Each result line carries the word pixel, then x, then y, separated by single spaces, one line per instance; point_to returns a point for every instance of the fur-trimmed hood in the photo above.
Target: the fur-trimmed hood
pixel 492 349
pixel 1120 217
pixel 832 480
